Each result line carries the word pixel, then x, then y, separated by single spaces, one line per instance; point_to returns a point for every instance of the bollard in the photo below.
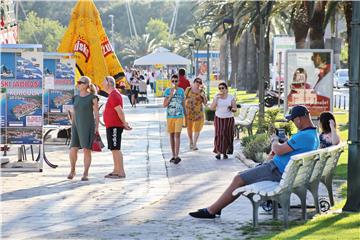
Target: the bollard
pixel 339 101
pixel 335 98
pixel 20 154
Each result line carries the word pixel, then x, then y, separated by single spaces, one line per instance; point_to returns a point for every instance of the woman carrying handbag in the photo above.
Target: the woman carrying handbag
pixel 85 124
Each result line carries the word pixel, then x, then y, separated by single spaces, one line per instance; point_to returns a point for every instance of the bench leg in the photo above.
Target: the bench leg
pixel 314 191
pixel 275 210
pixel 285 204
pixel 255 205
pixel 328 184
pixel 255 213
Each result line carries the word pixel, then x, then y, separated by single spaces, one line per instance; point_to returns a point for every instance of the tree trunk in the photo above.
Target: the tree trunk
pixel 316 31
pixel 300 24
pixel 234 54
pixel 252 65
pixel 223 46
pixel 242 63
pixel 267 55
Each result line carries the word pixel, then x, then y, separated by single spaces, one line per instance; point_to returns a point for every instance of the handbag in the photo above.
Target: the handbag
pixel 97 144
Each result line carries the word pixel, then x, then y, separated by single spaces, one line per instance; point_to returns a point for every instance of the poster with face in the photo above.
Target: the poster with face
pixel 59 75
pixel 309 80
pixel 21 98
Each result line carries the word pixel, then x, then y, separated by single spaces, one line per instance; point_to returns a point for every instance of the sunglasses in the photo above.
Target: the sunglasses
pixel 198 82
pixel 80 82
pixel 221 88
pixel 174 81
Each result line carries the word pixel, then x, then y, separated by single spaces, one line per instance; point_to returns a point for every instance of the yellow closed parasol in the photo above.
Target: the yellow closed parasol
pixel 86 38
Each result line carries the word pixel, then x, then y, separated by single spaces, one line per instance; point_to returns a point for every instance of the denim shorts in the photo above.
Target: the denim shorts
pixel 267 171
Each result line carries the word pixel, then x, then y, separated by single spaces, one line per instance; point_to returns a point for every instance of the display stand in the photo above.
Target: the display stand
pixel 21 105
pixel 59 77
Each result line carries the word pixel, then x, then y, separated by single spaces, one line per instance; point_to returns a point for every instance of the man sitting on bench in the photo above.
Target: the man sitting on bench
pixel 306 139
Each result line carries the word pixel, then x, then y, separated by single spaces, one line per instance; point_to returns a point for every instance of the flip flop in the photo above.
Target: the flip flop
pixel 71 175
pixel 84 179
pixel 115 176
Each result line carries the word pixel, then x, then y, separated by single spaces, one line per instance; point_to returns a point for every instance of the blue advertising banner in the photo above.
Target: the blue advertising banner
pixel 59 77
pixel 21 98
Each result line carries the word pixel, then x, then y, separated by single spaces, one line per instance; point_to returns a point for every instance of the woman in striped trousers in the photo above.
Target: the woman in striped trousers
pixel 224 106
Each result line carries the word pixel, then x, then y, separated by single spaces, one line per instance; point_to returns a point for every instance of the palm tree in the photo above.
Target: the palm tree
pixel 182 44
pixel 137 47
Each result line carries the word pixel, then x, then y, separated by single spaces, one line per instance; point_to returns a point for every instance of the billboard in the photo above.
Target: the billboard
pixel 309 80
pixel 21 97
pixel 59 77
pixel 280 45
pixel 214 59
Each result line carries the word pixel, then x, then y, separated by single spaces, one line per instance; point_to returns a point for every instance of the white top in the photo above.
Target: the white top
pixel 222 108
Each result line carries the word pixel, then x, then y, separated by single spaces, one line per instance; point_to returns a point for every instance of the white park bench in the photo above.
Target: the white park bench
pixel 303 172
pixel 242 116
pixel 247 122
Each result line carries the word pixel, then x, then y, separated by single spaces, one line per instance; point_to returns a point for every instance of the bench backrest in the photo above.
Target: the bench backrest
pixel 309 160
pixel 289 175
pixel 251 114
pixel 243 113
pixel 319 165
pixel 335 152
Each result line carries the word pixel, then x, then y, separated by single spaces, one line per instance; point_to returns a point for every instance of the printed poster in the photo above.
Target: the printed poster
pixel 59 89
pixel 21 98
pixel 309 80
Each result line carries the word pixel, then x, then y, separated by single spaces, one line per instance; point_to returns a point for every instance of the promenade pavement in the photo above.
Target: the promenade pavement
pixel 151 203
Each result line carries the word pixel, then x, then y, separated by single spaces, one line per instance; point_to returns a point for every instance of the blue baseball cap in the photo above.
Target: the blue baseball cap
pixel 297 111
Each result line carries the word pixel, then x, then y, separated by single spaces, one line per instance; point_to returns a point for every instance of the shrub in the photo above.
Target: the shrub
pixel 288 126
pixel 268 126
pixel 256 148
pixel 245 140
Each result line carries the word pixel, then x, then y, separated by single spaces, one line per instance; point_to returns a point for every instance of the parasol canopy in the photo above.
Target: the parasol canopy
pixel 86 38
pixel 162 56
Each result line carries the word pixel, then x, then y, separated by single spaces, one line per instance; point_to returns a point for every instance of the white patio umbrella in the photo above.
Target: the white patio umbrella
pixel 162 56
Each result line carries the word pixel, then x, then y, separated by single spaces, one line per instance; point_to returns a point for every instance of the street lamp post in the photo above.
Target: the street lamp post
pixel 353 191
pixel 112 31
pixel 197 43
pixel 227 25
pixel 208 38
pixel 191 47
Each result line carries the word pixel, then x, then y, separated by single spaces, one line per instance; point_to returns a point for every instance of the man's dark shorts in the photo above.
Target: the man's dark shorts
pixel 113 135
pixel 267 171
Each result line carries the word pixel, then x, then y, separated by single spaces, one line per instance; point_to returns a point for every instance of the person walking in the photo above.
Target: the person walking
pixel 195 98
pixel 224 105
pixel 85 123
pixel 152 82
pixel 135 82
pixel 183 82
pixel 115 123
pixel 175 104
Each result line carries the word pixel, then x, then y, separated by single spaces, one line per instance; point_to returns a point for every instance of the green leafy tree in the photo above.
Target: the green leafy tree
pixel 158 30
pixel 41 30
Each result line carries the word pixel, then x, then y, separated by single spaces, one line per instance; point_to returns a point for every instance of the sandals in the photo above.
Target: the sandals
pixel 71 175
pixel 114 176
pixel 84 178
